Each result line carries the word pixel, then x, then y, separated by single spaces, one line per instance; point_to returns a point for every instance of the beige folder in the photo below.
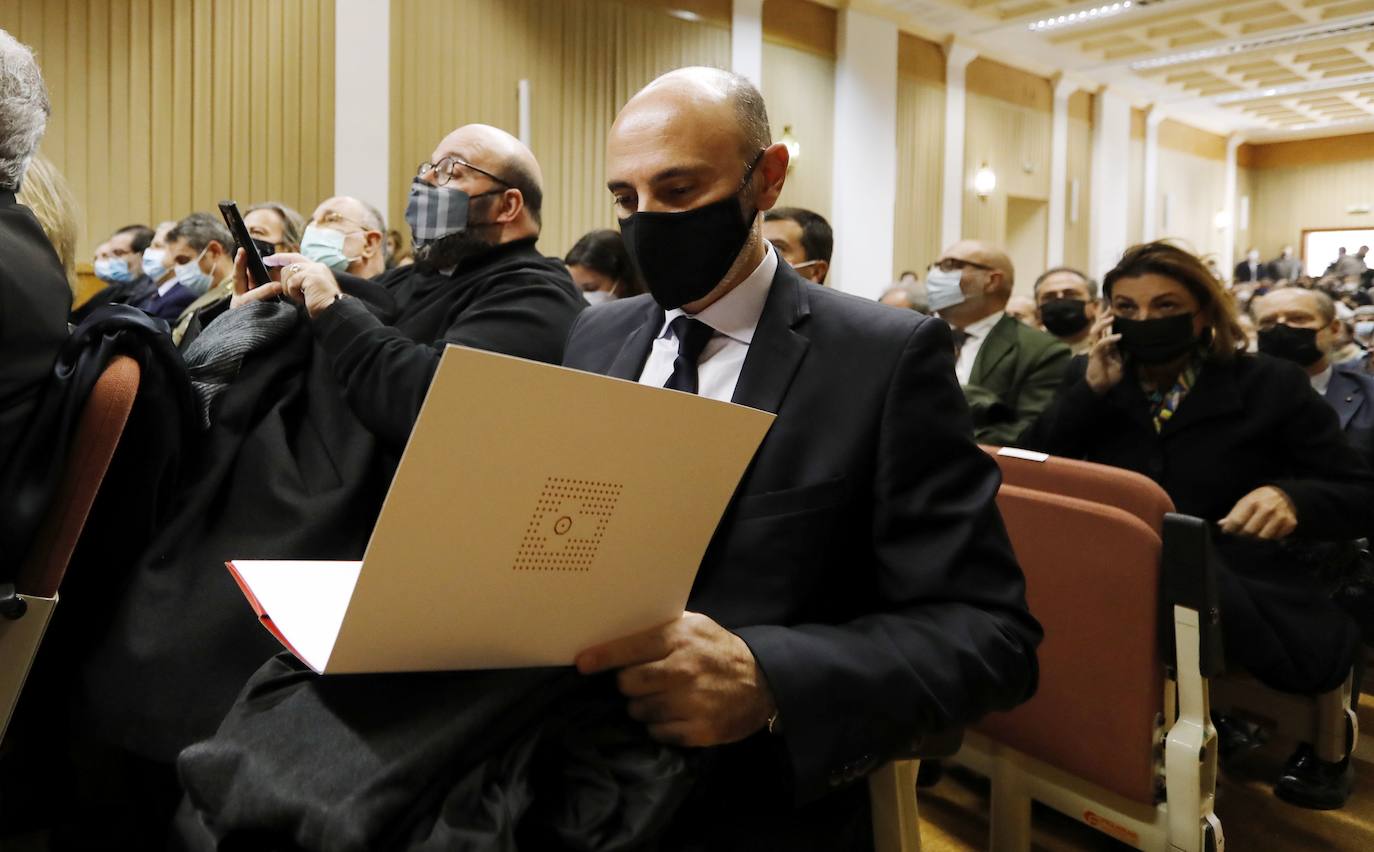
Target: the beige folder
pixel 19 641
pixel 536 511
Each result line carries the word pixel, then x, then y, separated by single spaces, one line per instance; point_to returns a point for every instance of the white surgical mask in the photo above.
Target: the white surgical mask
pixel 596 297
pixel 325 245
pixel 1364 329
pixel 154 263
pixel 942 288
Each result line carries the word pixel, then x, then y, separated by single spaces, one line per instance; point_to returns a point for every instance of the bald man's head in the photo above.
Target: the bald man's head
pixel 986 278
pixel 493 150
pixel 709 88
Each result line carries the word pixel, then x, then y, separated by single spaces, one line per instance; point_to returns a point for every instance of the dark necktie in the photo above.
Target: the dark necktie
pixel 692 336
pixel 960 337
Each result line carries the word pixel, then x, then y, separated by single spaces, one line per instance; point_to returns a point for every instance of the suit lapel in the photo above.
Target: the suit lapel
pixel 1344 395
pixel 999 344
pixel 629 361
pixel 777 349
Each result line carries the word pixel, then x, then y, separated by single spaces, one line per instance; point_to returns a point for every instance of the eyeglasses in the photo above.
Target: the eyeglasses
pixel 950 264
pixel 445 170
pixel 339 222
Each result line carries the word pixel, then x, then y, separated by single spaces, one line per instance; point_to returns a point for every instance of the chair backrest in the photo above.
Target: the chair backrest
pixel 92 446
pixel 1093 580
pixel 1131 492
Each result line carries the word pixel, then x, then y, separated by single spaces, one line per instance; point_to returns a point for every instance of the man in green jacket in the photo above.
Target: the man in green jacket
pixel 1009 371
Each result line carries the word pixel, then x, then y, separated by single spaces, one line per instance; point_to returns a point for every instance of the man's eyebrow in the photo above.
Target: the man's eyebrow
pixel 667 174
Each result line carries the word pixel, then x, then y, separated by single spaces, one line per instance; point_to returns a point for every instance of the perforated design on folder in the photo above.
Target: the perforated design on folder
pixel 567 526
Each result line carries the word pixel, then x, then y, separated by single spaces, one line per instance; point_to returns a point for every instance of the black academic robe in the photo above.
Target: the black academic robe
pixel 34 303
pixel 295 465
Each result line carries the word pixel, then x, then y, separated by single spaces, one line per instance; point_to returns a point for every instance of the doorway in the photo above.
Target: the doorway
pixel 1027 229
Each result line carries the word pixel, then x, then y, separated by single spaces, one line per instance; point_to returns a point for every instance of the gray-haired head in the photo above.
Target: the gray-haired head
pixel 199 230
pixel 24 110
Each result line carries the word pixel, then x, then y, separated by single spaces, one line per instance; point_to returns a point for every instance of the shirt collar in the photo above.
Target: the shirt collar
pixel 167 285
pixel 1322 380
pixel 736 314
pixel 981 328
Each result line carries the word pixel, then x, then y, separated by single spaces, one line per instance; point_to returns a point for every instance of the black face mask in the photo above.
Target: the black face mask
pixel 1064 317
pixel 1155 341
pixel 265 249
pixel 683 256
pixel 1298 345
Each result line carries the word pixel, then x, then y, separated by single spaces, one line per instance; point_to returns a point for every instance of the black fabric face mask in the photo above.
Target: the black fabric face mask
pixel 1155 341
pixel 1298 345
pixel 1064 317
pixel 683 256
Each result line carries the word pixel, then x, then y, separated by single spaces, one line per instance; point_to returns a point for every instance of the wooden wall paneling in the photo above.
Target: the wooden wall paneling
pixel 138 113
pixel 799 88
pixel 920 155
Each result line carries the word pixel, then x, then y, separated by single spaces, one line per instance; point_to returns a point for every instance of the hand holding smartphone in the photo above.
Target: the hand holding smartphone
pixel 257 272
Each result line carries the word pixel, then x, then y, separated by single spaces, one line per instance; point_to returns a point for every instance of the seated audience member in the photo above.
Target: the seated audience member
pixel 1348 265
pixel 1286 267
pixel 601 268
pixel 1250 269
pixel 273 227
pixel 1346 347
pixel 1009 371
pixel 198 252
pixel 1362 328
pixel 908 277
pixel 304 438
pixel 35 298
pixel 895 609
pixel 1238 440
pixel 346 234
pixel 398 251
pixel 1301 326
pixel 802 238
pixel 1066 305
pixel 155 264
pixel 48 196
pixel 1022 309
pixel 909 296
pixel 119 263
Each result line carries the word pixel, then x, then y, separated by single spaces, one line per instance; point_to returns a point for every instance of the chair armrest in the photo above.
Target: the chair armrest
pixel 934 745
pixel 1190 581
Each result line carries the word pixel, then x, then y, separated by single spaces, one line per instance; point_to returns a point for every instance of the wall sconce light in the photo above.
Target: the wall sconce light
pixel 984 181
pixel 789 141
pixel 1222 220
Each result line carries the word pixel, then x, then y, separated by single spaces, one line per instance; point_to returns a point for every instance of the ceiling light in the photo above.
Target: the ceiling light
pixel 1303 88
pixel 1078 17
pixel 1305 35
pixel 684 15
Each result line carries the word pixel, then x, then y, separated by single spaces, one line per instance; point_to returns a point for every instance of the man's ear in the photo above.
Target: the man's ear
pixel 215 249
pixel 822 268
pixel 372 243
pixel 773 168
pixel 510 206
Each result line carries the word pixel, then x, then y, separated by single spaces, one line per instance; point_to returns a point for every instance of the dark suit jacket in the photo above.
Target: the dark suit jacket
pixel 1245 273
pixel 1014 377
pixel 169 305
pixel 34 303
pixel 862 558
pixel 1249 422
pixel 1351 393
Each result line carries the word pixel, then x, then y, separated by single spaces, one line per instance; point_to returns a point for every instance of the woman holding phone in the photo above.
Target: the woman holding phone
pixel 1239 440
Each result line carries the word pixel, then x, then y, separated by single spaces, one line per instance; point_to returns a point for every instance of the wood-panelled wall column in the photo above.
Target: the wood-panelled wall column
pixel 362 62
pixel 957 58
pixel 1059 172
pixel 864 196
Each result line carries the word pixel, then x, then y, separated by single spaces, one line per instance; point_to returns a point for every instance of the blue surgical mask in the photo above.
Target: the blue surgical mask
pixel 325 245
pixel 115 270
pixel 192 277
pixel 155 263
pixel 942 288
pixel 1364 329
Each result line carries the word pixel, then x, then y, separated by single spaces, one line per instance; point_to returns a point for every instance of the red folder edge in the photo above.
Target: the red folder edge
pixel 262 613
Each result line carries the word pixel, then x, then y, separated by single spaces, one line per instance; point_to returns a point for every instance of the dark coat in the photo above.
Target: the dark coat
pixel 1351 393
pixel 167 306
pixel 134 292
pixel 34 303
pixel 296 463
pixel 1013 379
pixel 1248 422
pixel 862 558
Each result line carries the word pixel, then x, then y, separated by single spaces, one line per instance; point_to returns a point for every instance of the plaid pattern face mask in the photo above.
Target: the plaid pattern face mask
pixel 435 212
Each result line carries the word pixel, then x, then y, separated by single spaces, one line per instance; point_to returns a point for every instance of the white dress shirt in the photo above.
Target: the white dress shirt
pixel 734 317
pixel 166 285
pixel 977 332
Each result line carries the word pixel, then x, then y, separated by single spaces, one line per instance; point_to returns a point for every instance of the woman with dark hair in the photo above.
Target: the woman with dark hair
pixel 1239 440
pixel 601 268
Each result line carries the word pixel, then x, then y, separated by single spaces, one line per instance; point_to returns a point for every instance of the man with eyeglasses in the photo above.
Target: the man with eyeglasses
pixel 348 235
pixel 1008 370
pixel 477 280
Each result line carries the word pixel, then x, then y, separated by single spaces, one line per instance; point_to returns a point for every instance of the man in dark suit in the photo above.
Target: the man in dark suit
pixel 1009 371
pixel 1250 269
pixel 34 296
pixel 860 590
pixel 1300 325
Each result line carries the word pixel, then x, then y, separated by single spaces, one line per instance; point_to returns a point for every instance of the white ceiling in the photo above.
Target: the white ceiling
pixel 1266 69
